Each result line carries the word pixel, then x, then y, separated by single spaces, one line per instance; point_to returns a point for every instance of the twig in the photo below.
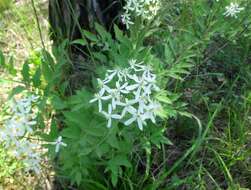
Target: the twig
pixel 38 25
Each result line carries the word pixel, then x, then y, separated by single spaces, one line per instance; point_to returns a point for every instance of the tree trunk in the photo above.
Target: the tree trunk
pixel 67 18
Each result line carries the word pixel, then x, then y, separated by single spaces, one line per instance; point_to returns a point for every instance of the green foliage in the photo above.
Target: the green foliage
pixel 5 4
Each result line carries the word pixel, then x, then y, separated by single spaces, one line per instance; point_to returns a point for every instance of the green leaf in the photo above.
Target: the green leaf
pixel 162 97
pixel 57 103
pixel 82 42
pixel 2 59
pixel 10 66
pixel 71 132
pixel 114 177
pixel 102 32
pixel 16 90
pixel 80 100
pixel 90 36
pixel 78 178
pixel 101 57
pixel 118 33
pixel 102 149
pixel 26 72
pixel 120 160
pixel 36 79
pixel 47 64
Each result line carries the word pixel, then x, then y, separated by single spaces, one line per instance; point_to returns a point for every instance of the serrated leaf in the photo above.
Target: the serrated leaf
pixel 71 132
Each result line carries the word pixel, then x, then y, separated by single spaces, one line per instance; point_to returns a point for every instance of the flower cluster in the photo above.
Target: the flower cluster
pixel 232 10
pixel 146 9
pixel 16 132
pixel 129 95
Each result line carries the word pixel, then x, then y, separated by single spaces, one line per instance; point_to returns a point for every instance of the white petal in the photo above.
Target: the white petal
pixel 102 91
pixel 93 100
pixel 140 125
pixel 99 105
pixel 57 148
pixel 130 121
pixel 114 103
pixel 109 109
pixel 132 110
pixel 64 144
pixel 116 116
pixel 109 123
pixel 132 87
pixel 119 103
pixel 106 97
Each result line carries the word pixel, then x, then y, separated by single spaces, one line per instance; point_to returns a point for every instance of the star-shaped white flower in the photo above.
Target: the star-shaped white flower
pixel 136 116
pixel 58 143
pixel 99 97
pixel 136 66
pixel 109 116
pixel 233 9
pixel 115 93
pixel 151 110
pixel 16 128
pixel 138 86
pixel 126 20
pixel 127 106
pixel 102 85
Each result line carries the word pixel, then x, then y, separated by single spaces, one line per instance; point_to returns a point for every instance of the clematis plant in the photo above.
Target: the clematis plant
pixel 146 9
pixel 232 10
pixel 129 95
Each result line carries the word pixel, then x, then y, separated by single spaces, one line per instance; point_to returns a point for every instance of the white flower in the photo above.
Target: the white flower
pixel 139 86
pixel 136 116
pixel 102 85
pixel 109 116
pixel 136 66
pixel 115 93
pixel 121 89
pixel 16 128
pixel 232 10
pixel 126 20
pixel 16 132
pixel 58 143
pixel 127 106
pixel 99 97
pixel 151 110
pixel 129 94
pixel 146 9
